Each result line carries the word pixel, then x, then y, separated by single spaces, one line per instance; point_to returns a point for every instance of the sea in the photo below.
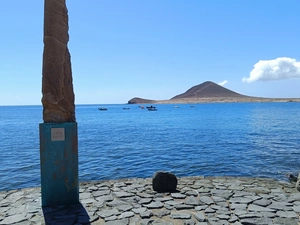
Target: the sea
pixel 128 141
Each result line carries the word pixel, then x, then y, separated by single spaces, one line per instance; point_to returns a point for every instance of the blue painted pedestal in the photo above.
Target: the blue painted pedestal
pixel 59 163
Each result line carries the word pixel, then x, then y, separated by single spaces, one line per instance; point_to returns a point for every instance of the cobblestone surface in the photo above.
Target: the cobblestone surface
pixel 199 201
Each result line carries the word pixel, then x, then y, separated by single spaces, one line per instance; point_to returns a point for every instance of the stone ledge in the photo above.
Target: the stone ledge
pixel 203 200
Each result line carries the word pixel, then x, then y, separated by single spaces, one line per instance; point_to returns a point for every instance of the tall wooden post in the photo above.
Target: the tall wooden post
pixel 58 133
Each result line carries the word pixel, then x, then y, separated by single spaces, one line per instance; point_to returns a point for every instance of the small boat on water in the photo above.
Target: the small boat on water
pixel 151 108
pixel 126 108
pixel 102 109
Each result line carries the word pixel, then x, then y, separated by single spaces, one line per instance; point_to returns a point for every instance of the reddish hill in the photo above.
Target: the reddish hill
pixel 208 89
pixel 210 92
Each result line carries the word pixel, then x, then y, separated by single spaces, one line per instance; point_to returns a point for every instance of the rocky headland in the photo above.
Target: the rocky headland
pixel 209 92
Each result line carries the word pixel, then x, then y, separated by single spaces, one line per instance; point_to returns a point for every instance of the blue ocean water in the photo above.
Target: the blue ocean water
pixel 234 139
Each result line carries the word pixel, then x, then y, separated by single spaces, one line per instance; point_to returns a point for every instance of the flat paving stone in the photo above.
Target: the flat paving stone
pixel 14 219
pixel 206 200
pixel 146 214
pixel 162 213
pixel 200 216
pixel 178 195
pixel 154 205
pixel 262 202
pixel 177 215
pixel 257 208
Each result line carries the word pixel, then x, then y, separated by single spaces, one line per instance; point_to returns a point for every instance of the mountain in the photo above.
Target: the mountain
pixel 208 89
pixel 210 92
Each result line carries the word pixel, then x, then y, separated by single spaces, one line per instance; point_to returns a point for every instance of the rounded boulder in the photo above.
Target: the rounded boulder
pixel 164 182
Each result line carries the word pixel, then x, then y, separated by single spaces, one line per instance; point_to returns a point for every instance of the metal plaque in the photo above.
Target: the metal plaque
pixel 57 134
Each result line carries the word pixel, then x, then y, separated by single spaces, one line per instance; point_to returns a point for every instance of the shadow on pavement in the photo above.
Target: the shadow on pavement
pixel 66 215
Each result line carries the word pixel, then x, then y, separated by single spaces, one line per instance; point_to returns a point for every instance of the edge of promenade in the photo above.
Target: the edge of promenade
pixel 199 201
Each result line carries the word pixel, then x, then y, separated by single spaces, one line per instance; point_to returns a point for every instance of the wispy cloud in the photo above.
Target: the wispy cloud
pixel 223 83
pixel 275 69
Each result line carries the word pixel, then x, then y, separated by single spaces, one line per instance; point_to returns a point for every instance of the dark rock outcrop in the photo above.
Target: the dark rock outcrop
pixel 140 101
pixel 164 182
pixel 57 88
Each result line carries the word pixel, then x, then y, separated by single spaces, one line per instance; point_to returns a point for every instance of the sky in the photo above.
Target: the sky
pixel 155 49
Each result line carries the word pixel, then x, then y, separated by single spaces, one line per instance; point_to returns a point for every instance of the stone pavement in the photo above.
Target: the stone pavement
pixel 199 201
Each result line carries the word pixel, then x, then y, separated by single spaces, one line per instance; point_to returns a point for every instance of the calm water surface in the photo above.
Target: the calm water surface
pixel 236 139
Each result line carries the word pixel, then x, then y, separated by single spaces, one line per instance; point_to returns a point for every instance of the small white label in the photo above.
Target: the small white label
pixel 57 134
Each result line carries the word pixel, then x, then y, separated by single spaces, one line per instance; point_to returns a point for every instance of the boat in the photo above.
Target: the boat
pixel 126 108
pixel 151 108
pixel 102 109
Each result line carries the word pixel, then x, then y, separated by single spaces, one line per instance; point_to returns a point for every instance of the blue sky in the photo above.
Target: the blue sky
pixel 156 49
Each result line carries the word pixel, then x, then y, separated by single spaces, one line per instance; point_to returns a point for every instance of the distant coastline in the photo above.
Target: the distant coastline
pixel 214 100
pixel 209 92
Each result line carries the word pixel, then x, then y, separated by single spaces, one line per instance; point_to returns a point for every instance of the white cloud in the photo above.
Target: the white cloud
pixel 275 69
pixel 223 83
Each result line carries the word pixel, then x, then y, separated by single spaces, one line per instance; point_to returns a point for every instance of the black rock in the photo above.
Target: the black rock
pixel 164 182
pixel 298 183
pixel 293 178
